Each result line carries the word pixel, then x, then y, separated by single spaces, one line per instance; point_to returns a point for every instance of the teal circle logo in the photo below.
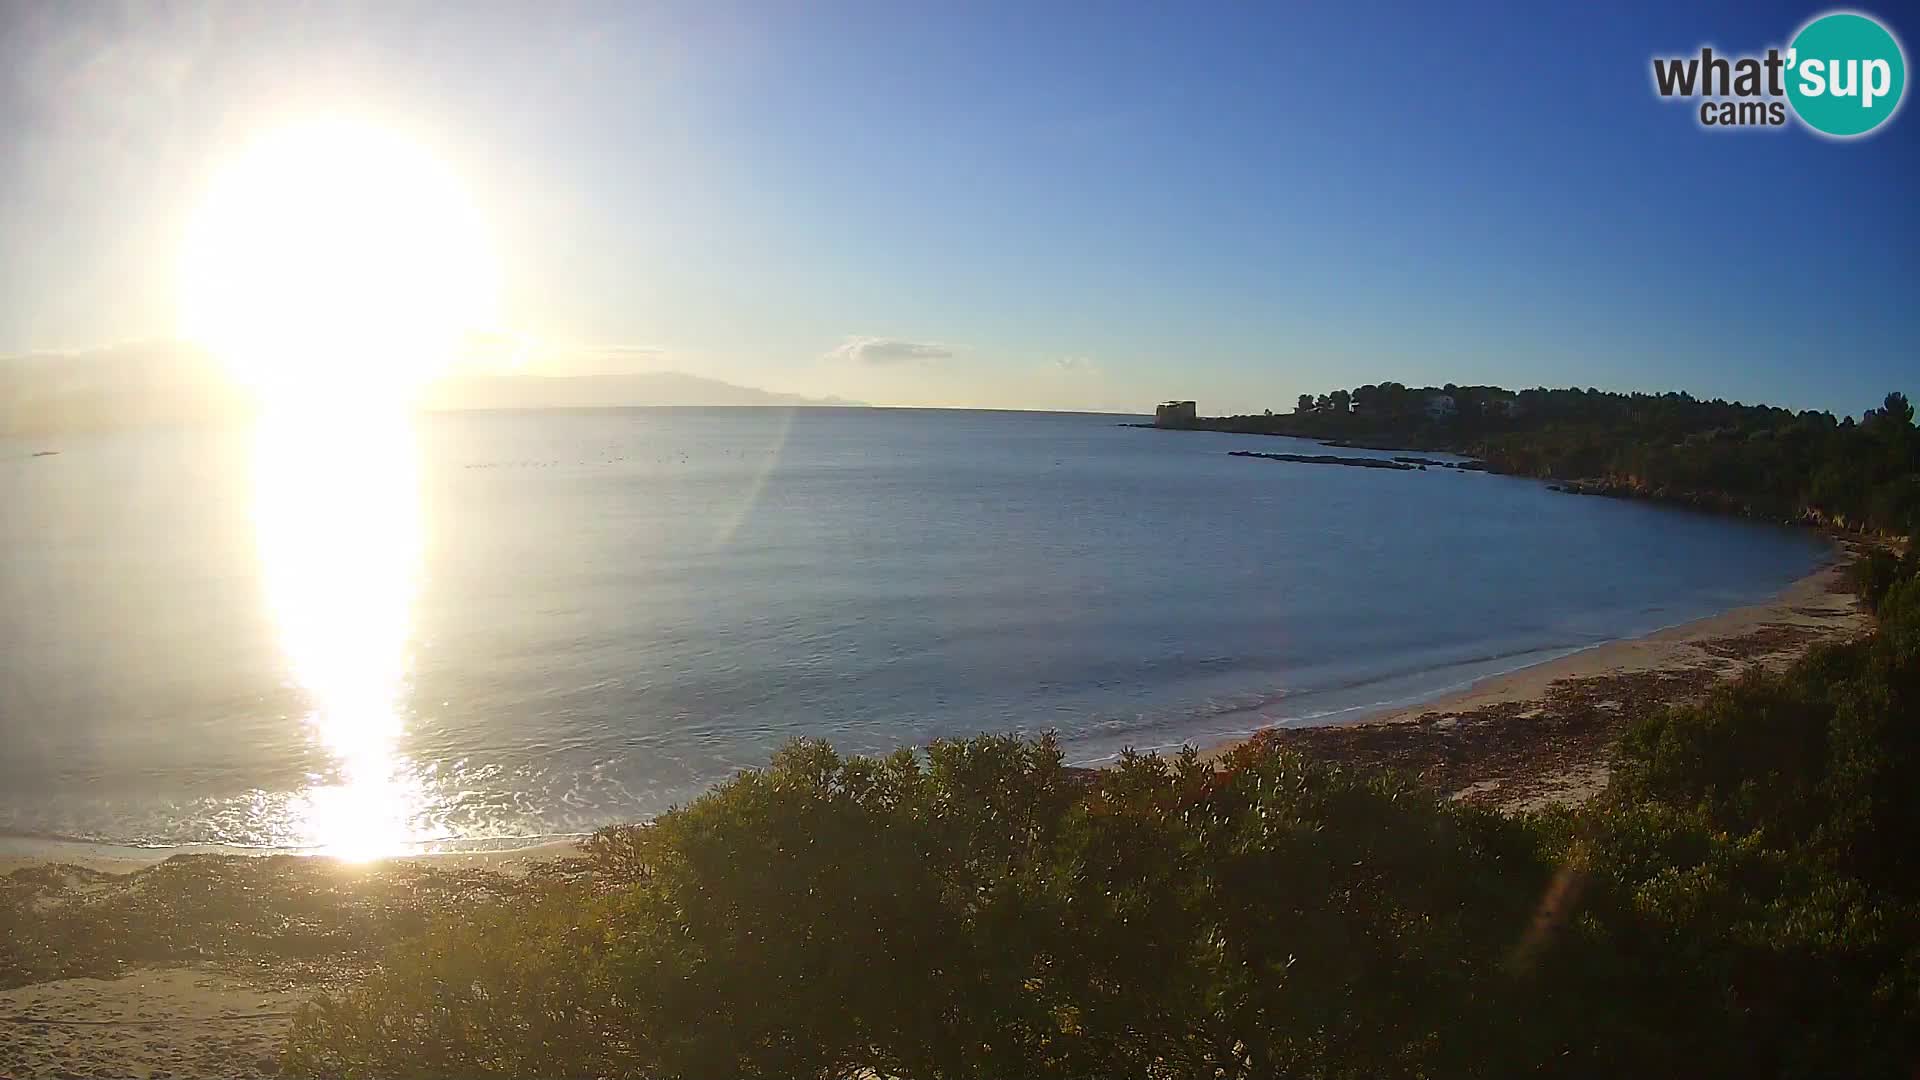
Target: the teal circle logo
pixel 1845 74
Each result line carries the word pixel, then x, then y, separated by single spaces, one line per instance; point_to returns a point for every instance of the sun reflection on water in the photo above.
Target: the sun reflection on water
pixel 338 520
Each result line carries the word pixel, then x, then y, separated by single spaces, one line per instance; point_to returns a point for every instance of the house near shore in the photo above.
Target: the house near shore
pixel 1440 406
pixel 1176 414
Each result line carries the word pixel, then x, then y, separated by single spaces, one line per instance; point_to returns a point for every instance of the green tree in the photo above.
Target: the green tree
pixel 1898 410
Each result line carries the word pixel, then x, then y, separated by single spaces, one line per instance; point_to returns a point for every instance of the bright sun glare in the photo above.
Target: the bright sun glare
pixel 336 268
pixel 335 263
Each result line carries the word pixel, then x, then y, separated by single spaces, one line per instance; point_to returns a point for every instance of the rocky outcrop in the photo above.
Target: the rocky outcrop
pixel 1328 459
pixel 1614 487
pixel 1463 466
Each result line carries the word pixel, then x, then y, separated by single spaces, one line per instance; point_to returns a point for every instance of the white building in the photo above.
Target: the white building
pixel 1440 406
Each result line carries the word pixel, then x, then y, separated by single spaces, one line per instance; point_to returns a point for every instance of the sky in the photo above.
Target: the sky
pixel 1017 206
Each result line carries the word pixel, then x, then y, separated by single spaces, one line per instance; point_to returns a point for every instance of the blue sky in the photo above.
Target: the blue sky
pixel 1022 205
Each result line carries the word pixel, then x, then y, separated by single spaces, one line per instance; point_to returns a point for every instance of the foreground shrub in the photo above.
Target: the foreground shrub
pixel 1767 840
pixel 1749 959
pixel 1822 760
pixel 1873 573
pixel 984 912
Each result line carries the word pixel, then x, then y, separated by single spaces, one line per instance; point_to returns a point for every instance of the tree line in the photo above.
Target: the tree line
pixel 1753 459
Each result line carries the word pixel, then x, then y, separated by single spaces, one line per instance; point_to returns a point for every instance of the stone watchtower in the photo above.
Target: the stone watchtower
pixel 1175 414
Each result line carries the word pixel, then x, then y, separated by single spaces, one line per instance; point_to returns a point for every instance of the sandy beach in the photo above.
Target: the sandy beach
pixel 206 1020
pixel 1541 735
pixel 117 861
pixel 1518 741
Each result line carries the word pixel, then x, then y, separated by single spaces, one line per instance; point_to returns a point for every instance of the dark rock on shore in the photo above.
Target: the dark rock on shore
pixel 1463 466
pixel 1710 502
pixel 1328 459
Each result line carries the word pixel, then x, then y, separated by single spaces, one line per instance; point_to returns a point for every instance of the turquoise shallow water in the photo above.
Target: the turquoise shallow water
pixel 509 625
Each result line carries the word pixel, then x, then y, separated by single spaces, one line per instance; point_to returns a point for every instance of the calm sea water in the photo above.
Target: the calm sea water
pixel 510 625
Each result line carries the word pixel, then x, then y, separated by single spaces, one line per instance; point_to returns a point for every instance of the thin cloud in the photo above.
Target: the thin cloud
pixel 882 351
pixel 618 359
pixel 630 352
pixel 1076 365
pixel 504 352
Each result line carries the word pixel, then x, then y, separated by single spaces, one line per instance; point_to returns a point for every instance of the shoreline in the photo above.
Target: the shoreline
pixel 1517 741
pixel 108 859
pixel 1681 660
pixel 1540 735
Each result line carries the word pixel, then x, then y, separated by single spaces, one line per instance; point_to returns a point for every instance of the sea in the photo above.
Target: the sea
pixel 373 634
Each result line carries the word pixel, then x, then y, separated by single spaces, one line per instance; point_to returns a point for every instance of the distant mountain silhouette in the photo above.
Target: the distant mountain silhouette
pixel 156 383
pixel 595 391
pixel 137 384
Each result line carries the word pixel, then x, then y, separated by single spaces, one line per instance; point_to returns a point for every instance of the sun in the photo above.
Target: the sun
pixel 335 263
